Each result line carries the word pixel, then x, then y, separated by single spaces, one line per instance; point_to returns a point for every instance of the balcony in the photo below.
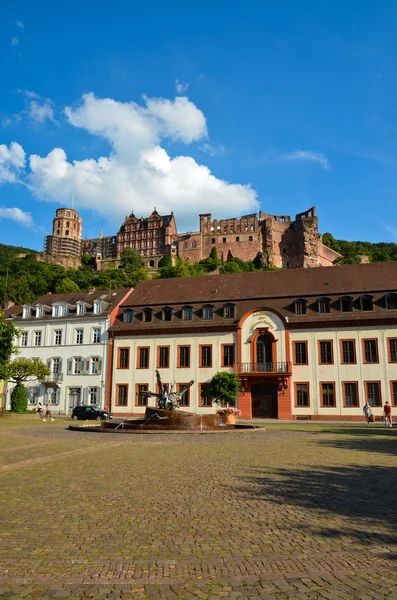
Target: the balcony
pixel 53 378
pixel 263 368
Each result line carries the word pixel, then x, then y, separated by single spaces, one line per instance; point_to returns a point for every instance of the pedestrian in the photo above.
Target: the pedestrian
pixel 48 411
pixel 39 409
pixel 387 414
pixel 368 412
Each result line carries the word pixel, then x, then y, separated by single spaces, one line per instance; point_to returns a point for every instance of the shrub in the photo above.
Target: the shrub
pixel 19 399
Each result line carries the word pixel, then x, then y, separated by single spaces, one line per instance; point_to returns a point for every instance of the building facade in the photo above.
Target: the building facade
pixel 65 240
pixel 284 242
pixel 69 333
pixel 305 343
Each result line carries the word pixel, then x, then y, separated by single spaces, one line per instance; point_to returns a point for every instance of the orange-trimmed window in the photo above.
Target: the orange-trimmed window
pixel 373 393
pixel 300 353
pixel 139 399
pixel 122 394
pixel 325 352
pixel 348 352
pixel 205 398
pixel 302 397
pixel 370 351
pixel 183 356
pixel 393 393
pixel 327 389
pixel 163 357
pixel 227 355
pixel 185 399
pixel 205 356
pixel 350 393
pixel 123 361
pixel 143 357
pixel 392 349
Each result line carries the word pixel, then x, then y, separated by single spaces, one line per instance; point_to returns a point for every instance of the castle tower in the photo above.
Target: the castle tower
pixel 66 234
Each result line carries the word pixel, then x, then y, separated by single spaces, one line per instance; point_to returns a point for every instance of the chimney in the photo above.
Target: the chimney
pixel 8 304
pixel 91 290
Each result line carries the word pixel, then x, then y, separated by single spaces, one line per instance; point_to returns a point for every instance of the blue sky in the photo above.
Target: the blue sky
pixel 223 107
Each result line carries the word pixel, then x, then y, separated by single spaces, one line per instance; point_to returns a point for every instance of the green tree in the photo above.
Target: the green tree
pixel 223 387
pixel 212 262
pixel 130 260
pixel 8 334
pixel 166 261
pixel 67 286
pixel 19 371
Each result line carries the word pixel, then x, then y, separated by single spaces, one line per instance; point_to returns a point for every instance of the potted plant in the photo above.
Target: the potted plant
pixel 223 389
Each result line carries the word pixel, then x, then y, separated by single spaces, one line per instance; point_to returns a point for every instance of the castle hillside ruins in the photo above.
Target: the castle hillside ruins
pixel 284 242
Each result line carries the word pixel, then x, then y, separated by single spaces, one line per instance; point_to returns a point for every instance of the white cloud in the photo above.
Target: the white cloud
pixel 138 173
pixel 40 112
pixel 212 150
pixel 18 215
pixel 307 155
pixel 20 25
pixel 181 87
pixel 12 161
pixel 14 41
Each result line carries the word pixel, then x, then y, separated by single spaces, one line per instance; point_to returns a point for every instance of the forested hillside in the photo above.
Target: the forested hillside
pixel 351 251
pixel 28 278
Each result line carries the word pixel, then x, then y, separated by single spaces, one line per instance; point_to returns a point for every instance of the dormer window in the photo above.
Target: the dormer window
pixel 301 306
pixel 208 311
pixel 39 311
pixel 97 308
pixel 26 312
pixel 391 302
pixel 187 313
pixel 147 315
pixel 59 310
pixel 346 304
pixel 81 308
pixel 367 303
pixel 128 316
pixel 324 306
pixel 229 311
pixel 167 313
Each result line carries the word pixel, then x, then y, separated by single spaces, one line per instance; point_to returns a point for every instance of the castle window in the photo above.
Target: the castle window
pixel 252 228
pixel 67 224
pixel 213 241
pixel 284 250
pixel 367 303
pixel 151 263
pixel 67 232
pixel 67 213
pixel 208 311
pixel 147 315
pixel 237 239
pixel 194 244
pixel 187 313
pixel 282 219
pixel 229 311
pixel 167 313
pixel 301 307
pixel 128 316
pixel 185 245
pixel 391 302
pixel 250 238
pixel 324 305
pixel 224 240
pixel 346 304
pixel 58 231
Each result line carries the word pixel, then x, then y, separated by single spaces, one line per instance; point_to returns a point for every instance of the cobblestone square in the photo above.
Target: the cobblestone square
pixel 297 511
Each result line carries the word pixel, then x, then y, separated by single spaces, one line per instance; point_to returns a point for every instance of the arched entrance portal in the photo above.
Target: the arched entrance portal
pixel 264 400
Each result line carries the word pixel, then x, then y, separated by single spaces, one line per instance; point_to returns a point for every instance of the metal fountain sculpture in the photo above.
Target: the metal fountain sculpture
pixel 167 400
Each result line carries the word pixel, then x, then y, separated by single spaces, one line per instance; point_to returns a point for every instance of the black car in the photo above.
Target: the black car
pixel 90 412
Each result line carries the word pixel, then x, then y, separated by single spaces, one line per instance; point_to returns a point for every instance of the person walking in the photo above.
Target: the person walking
pixel 39 409
pixel 48 411
pixel 368 412
pixel 387 414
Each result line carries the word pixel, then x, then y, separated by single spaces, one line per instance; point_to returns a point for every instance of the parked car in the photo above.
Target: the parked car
pixel 90 412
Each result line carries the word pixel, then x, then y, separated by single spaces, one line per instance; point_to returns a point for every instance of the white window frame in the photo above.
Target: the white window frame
pixel 26 312
pixel 56 331
pixel 95 360
pixel 78 360
pixel 96 335
pixel 79 333
pixel 24 338
pixel 39 311
pixel 38 333
pixel 97 308
pixel 80 308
